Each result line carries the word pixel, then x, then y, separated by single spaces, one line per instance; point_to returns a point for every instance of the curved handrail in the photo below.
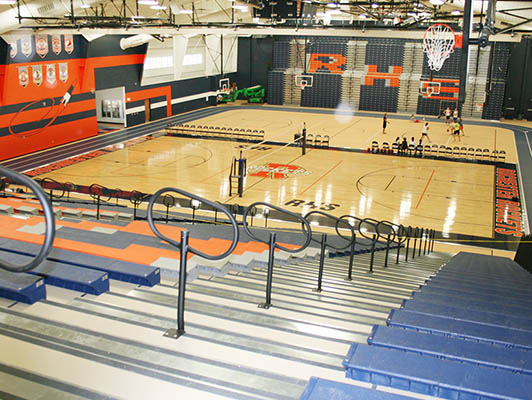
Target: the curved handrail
pixel 338 220
pixel 174 243
pixel 48 217
pixel 305 226
pixel 370 222
pixel 345 216
pixel 58 186
pixel 96 190
pixel 391 227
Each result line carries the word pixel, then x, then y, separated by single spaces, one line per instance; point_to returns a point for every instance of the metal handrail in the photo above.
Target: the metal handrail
pixel 174 243
pixel 56 185
pixel 338 221
pixel 305 226
pixel 324 244
pixel 391 227
pixel 272 244
pixel 185 248
pixel 48 216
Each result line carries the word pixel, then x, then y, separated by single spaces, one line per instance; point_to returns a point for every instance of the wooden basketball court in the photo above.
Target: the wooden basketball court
pixel 453 197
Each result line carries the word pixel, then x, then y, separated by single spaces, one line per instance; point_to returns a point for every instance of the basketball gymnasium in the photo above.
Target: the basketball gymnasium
pixel 265 199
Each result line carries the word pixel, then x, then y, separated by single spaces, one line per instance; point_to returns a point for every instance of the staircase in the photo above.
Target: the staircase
pixel 75 345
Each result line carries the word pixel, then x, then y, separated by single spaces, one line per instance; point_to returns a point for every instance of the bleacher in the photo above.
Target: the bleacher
pixel 466 333
pixel 106 293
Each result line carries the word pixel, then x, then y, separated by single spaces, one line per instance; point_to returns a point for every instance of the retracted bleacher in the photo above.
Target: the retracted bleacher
pixel 466 334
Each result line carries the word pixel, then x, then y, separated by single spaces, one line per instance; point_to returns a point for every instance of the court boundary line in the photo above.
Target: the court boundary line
pixel 426 186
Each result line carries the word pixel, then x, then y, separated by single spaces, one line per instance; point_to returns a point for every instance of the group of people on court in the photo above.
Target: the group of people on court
pixel 454 126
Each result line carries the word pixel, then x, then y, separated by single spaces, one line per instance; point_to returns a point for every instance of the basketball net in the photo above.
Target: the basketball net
pixel 438 43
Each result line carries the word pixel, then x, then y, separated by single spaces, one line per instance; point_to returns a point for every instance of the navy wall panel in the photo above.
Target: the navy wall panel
pixel 325 92
pixel 275 87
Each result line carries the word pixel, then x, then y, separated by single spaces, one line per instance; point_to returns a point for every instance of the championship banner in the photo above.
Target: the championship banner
pixel 25 45
pixel 41 45
pixel 56 44
pixel 23 78
pixel 63 72
pixel 69 44
pixel 13 48
pixel 50 75
pixel 37 74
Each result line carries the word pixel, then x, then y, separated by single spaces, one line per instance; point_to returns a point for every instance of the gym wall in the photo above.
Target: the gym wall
pixel 379 74
pixel 42 69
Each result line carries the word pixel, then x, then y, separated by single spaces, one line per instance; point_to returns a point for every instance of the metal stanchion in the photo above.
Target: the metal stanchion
pixel 372 253
pixel 415 240
pixel 175 333
pixel 351 259
pixel 98 207
pixel 267 304
pixel 420 241
pixel 407 243
pixel 322 261
pixel 425 244
pixel 433 240
pixel 387 250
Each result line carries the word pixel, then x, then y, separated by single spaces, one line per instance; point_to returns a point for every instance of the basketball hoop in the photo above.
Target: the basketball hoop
pixel 438 43
pixel 303 85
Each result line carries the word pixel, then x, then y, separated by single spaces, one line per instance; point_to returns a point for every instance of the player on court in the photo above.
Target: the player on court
pixel 384 123
pixel 455 131
pixel 448 113
pixel 425 132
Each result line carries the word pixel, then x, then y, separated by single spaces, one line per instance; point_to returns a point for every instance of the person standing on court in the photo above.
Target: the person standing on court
pixel 455 131
pixel 425 132
pixel 384 123
pixel 448 113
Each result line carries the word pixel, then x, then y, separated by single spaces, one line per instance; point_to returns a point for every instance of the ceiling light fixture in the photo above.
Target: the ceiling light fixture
pixel 437 2
pixel 7 1
pixel 362 16
pixel 147 2
pixel 158 7
pixel 456 12
pixel 374 5
pixel 83 5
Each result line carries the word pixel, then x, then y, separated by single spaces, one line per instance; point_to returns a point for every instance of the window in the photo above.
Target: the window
pixel 193 59
pixel 159 62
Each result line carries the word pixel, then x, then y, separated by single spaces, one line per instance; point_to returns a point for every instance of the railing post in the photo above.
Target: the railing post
pixel 398 250
pixel 322 261
pixel 98 207
pixel 408 243
pixel 271 251
pixel 176 333
pixel 387 250
pixel 351 258
pixel 420 241
pixel 415 240
pixel 433 240
pixel 425 244
pixel 372 252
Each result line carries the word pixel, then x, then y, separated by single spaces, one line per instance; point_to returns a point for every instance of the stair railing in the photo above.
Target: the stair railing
pixel 272 243
pixel 323 242
pixel 185 249
pixel 49 230
pixel 391 231
pixel 368 229
pixel 355 226
pixel 100 194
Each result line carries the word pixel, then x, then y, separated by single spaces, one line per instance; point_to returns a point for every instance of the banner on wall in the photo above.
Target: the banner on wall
pixel 56 44
pixel 69 44
pixel 41 45
pixel 23 77
pixel 25 45
pixel 63 72
pixel 37 74
pixel 13 48
pixel 50 74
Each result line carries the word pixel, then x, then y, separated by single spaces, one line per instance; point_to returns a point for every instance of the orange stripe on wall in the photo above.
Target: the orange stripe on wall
pixel 151 93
